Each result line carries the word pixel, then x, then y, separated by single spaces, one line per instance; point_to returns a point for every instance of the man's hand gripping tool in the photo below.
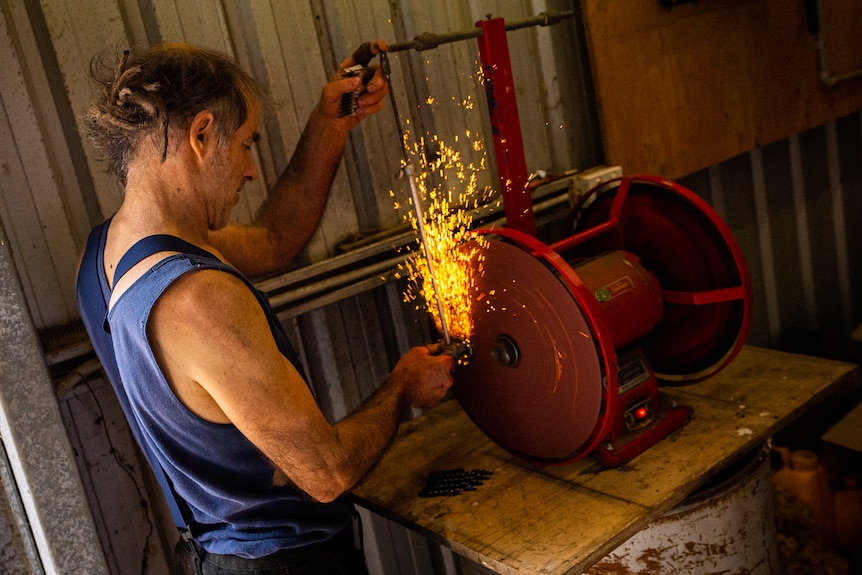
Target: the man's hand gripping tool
pixel 361 58
pixel 461 351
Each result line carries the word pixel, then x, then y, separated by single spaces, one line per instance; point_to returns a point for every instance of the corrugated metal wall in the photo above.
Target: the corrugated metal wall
pixel 55 189
pixel 794 205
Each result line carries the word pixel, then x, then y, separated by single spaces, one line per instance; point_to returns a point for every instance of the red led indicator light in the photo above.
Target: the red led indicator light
pixel 641 412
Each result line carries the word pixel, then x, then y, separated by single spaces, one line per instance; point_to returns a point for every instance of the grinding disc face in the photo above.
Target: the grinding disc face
pixel 534 382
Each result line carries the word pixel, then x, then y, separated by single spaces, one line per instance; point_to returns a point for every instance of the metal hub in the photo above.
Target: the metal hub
pixel 506 352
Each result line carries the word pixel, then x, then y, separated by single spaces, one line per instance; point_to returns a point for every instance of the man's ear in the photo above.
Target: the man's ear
pixel 201 133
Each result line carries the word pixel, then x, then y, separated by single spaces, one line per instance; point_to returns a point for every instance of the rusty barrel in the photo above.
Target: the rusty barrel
pixel 726 527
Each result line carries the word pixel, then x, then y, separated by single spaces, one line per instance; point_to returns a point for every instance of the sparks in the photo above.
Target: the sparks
pixel 447 225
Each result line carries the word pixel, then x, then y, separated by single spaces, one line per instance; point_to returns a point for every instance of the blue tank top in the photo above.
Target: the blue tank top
pixel 220 476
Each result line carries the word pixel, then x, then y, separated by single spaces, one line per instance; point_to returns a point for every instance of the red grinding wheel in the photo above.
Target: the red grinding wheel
pixel 700 267
pixel 535 381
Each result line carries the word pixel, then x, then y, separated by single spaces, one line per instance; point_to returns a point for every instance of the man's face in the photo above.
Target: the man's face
pixel 231 167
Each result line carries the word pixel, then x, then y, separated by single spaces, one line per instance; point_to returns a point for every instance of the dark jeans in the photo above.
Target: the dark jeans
pixel 336 556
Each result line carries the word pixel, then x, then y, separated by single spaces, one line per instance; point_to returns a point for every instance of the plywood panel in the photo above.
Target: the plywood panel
pixel 683 89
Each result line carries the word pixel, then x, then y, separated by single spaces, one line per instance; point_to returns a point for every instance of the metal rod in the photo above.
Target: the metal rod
pixel 420 227
pixel 407 170
pixel 430 40
pixel 387 74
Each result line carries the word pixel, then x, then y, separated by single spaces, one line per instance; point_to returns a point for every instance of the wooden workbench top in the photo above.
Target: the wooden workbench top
pixel 529 519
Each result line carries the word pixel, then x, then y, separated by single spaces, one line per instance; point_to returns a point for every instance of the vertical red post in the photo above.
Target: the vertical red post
pixel 505 125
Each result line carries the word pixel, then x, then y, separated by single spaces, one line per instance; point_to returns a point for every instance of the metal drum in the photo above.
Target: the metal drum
pixel 726 527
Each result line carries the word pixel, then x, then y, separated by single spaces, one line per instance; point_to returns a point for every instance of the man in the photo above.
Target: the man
pixel 200 364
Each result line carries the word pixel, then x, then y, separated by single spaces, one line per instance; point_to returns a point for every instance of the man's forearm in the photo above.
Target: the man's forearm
pixel 371 428
pixel 326 469
pixel 295 204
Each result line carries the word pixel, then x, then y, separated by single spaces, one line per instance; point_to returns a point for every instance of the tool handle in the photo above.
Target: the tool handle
pixel 367 51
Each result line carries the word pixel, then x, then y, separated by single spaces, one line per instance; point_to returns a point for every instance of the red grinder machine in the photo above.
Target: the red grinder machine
pixel 571 339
